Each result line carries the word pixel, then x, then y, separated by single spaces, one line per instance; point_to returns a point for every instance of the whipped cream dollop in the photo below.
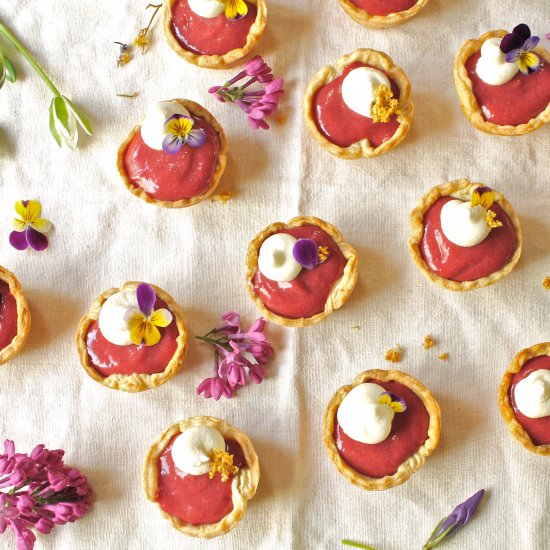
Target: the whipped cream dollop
pixel 492 66
pixel 361 416
pixel 191 449
pixel 464 224
pixel 276 259
pixel 152 127
pixel 532 394
pixel 207 8
pixel 359 86
pixel 115 314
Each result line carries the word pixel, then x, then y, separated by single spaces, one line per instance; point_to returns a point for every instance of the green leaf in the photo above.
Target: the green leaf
pixel 11 74
pixel 2 74
pixel 80 116
pixel 61 113
pixel 53 129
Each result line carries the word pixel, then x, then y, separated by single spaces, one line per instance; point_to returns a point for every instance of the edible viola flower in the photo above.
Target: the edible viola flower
pixel 180 131
pixel 256 103
pixel 483 196
pixel 143 325
pixel 29 227
pixel 392 400
pixel 305 252
pixel 235 9
pixel 518 47
pixel 459 517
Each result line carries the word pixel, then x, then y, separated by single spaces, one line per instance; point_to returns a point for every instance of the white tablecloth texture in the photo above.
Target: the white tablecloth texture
pixel 104 236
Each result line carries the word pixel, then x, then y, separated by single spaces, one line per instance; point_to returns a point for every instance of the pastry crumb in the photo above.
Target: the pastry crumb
pixel 393 355
pixel 428 342
pixel 222 197
pixel 443 356
pixel 355 327
pixel 546 283
pixel 281 120
pixel 324 253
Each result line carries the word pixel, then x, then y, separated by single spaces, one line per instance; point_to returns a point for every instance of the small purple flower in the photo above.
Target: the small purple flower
pixel 146 298
pixel 306 253
pixel 29 227
pixel 459 517
pixel 518 46
pixel 396 402
pixel 180 131
pixel 214 388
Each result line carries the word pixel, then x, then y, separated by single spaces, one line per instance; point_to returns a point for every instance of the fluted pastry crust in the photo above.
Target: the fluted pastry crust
pixel 341 290
pixel 414 462
pixel 243 484
pixel 134 382
pixel 329 73
pixel 380 21
pixel 459 188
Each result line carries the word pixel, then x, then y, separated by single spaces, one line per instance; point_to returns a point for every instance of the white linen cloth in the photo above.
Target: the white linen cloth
pixel 104 236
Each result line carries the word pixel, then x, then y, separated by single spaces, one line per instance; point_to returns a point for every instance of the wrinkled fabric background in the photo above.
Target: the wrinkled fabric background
pixel 104 236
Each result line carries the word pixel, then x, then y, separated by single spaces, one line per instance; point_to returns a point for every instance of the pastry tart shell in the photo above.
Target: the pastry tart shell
pixel 414 462
pixel 199 111
pixel 364 18
pixel 226 60
pixel 461 188
pixel 134 382
pixel 23 317
pixel 341 290
pixel 506 409
pixel 243 484
pixel 362 148
pixel 468 101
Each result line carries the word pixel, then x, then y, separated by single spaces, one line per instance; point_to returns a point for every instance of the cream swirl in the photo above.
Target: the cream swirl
pixel 115 315
pixel 464 224
pixel 191 449
pixel 362 417
pixel 359 86
pixel 532 394
pixel 207 8
pixel 492 66
pixel 152 128
pixel 276 258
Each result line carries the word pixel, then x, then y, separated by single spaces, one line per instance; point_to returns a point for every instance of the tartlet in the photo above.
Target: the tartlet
pixel 469 102
pixel 505 395
pixel 243 484
pixel 195 110
pixel 339 291
pixel 20 327
pixel 218 61
pixel 462 189
pixel 132 382
pixel 362 147
pixel 412 463
pixel 363 17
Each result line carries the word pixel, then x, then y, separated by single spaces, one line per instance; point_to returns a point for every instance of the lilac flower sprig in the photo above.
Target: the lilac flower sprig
pixel 239 356
pixel 256 103
pixel 459 517
pixel 38 491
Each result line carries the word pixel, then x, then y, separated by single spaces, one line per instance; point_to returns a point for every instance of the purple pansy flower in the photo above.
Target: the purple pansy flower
pixel 396 402
pixel 518 47
pixel 180 131
pixel 306 253
pixel 29 227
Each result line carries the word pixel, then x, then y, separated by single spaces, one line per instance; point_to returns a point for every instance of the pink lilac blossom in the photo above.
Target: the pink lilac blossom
pixel 243 355
pixel 256 103
pixel 38 491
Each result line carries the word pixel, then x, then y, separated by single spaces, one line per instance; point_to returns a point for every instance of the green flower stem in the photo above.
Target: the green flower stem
pixel 26 54
pixel 357 545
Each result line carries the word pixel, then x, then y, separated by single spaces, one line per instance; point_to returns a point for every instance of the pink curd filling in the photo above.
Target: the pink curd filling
pixel 8 316
pixel 342 126
pixel 165 177
pixel 466 263
pixel 515 102
pixel 109 358
pixel 197 500
pixel 537 428
pixel 306 295
pixel 215 36
pixel 384 7
pixel 408 433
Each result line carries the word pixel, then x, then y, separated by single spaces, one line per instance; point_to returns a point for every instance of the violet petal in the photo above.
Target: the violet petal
pixel 37 241
pixel 512 56
pixel 523 32
pixel 531 43
pixel 18 239
pixel 146 298
pixel 305 253
pixel 196 138
pixel 510 42
pixel 172 144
